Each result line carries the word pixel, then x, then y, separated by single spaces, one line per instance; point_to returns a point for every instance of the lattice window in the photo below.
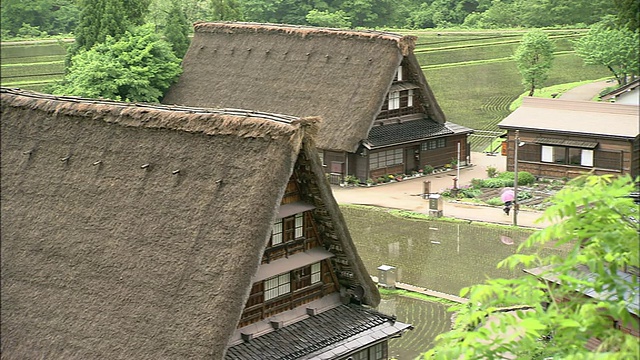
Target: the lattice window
pixel 277 286
pixel 316 274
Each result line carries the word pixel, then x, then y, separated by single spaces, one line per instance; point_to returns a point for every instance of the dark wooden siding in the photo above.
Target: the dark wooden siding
pixel 439 157
pixel 610 156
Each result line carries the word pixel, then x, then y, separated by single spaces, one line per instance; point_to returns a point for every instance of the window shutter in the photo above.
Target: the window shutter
pixel 547 154
pixel 586 158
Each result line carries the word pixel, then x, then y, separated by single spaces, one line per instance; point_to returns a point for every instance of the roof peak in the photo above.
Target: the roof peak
pixel 406 43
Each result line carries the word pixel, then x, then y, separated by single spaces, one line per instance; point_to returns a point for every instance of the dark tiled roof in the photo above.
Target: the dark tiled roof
pixel 414 130
pixel 325 331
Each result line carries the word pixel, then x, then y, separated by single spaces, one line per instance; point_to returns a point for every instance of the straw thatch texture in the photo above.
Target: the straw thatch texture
pixel 132 232
pixel 342 76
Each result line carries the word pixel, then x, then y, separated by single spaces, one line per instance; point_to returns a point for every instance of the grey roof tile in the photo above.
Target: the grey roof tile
pixel 414 130
pixel 315 333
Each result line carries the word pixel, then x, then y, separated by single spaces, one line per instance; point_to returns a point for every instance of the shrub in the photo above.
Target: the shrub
pixel 523 195
pixel 476 183
pixel 495 201
pixel 524 177
pixel 492 171
pixel 493 183
pixel 470 193
pixel 350 179
pixel 428 169
pixel 370 181
pixel 380 180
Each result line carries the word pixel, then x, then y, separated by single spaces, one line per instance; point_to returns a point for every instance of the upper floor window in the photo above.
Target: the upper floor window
pixel 398 75
pixel 277 286
pixel 410 98
pixel 394 100
pixel 287 229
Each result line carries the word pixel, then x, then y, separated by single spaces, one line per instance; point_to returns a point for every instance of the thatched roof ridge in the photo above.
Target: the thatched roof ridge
pixel 406 43
pixel 243 123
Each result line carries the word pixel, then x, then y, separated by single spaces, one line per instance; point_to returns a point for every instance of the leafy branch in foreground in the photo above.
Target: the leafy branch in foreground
pixel 581 306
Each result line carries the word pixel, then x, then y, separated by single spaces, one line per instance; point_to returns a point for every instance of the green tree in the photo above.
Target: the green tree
pixel 177 29
pixel 338 19
pixel 595 217
pixel 533 58
pixel 628 14
pixel 138 67
pixel 617 49
pixel 102 18
pixel 225 10
pixel 52 16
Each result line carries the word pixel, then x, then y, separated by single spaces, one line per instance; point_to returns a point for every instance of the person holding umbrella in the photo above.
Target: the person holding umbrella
pixel 507 195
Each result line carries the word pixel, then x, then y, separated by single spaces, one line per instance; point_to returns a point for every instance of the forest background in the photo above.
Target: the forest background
pixel 464 47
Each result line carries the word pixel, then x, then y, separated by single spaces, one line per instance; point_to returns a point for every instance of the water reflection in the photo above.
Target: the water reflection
pixel 437 255
pixel 428 318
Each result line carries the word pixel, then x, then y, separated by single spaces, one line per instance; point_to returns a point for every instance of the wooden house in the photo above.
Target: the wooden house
pixel 628 93
pixel 379 115
pixel 562 138
pixel 136 231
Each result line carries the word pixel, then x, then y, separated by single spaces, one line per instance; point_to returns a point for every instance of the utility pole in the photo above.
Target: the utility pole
pixel 516 143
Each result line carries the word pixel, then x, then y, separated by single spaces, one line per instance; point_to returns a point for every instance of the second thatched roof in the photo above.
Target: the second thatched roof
pixel 341 75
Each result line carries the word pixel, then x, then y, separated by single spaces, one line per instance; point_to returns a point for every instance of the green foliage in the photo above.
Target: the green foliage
pixel 533 59
pixel 225 10
pixel 50 17
pixel 337 19
pixel 596 218
pixel 428 169
pixel 492 171
pixel 616 49
pixel 177 29
pixel 138 67
pixel 350 179
pixel 627 14
pixel 495 201
pixel 470 193
pixel 106 18
pixel 524 177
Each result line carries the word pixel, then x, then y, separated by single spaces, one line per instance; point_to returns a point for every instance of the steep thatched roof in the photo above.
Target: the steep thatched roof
pixel 340 75
pixel 132 231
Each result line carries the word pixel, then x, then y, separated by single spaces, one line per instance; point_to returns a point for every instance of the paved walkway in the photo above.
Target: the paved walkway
pixel 588 91
pixel 406 195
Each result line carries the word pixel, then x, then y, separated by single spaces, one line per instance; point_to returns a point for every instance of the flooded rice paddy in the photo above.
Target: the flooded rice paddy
pixel 437 255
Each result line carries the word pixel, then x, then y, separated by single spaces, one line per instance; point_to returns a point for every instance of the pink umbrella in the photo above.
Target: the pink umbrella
pixel 507 195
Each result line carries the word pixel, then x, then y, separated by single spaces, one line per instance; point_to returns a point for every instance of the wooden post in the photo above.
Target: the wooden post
pixel 426 189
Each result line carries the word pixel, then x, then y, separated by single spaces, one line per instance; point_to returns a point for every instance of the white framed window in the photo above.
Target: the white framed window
pixel 547 154
pixel 316 273
pixel 276 232
pixel 277 286
pixel 394 100
pixel 410 98
pixel 587 158
pixel 299 225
